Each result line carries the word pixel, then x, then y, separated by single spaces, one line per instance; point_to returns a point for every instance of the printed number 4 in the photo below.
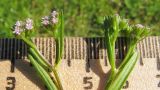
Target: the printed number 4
pixel 86 80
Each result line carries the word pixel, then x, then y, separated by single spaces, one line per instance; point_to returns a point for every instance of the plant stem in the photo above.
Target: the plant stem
pixel 111 53
pixel 129 53
pixel 111 56
pixel 123 73
pixel 36 52
pixel 37 58
pixel 59 49
pixel 44 75
pixel 55 72
pixel 29 43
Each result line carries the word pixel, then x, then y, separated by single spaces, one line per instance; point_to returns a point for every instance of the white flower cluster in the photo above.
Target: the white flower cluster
pixel 45 20
pixel 20 26
pixel 17 28
pixel 29 24
pixel 52 19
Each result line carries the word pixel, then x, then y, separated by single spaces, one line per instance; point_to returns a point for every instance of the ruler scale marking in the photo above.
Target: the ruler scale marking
pixel 91 48
pixel 101 49
pixel 7 49
pixel 120 48
pixel 117 49
pixel 48 50
pixel 151 50
pixel 19 49
pixel 154 48
pixel 123 48
pixel 3 48
pixel 45 48
pixel 52 51
pixel 81 48
pixel 78 54
pixel 142 49
pixel 147 48
pixel 96 53
pixel 158 58
pixel 70 51
pixel 11 48
pixel 157 52
pixel 23 50
pixel 40 45
pixel 84 48
pixel 77 49
pixel 64 48
pixel 0 48
pixel 152 44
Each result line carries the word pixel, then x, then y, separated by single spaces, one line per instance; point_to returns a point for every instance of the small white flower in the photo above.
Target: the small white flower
pixel 29 24
pixel 17 30
pixel 18 23
pixel 116 14
pixel 54 13
pixel 45 20
pixel 29 21
pixel 54 20
pixel 139 26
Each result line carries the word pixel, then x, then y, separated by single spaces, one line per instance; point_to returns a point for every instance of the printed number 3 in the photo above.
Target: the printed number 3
pixel 86 81
pixel 12 82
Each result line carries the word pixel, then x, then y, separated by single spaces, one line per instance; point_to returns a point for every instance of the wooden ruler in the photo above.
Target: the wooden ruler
pixel 84 66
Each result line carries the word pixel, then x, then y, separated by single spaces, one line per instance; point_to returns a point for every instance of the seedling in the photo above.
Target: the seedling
pixel 115 26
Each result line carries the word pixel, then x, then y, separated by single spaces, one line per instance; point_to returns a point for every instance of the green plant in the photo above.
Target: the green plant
pixel 53 23
pixel 81 16
pixel 115 26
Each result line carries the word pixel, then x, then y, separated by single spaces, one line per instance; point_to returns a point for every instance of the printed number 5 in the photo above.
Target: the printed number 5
pixel 86 81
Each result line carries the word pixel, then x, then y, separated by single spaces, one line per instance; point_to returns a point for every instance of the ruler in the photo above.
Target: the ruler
pixel 84 65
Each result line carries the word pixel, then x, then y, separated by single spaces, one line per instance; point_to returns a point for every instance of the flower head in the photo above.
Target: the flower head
pixel 17 28
pixel 45 20
pixel 54 20
pixel 18 23
pixel 113 23
pixel 139 26
pixel 29 24
pixel 54 17
pixel 54 13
